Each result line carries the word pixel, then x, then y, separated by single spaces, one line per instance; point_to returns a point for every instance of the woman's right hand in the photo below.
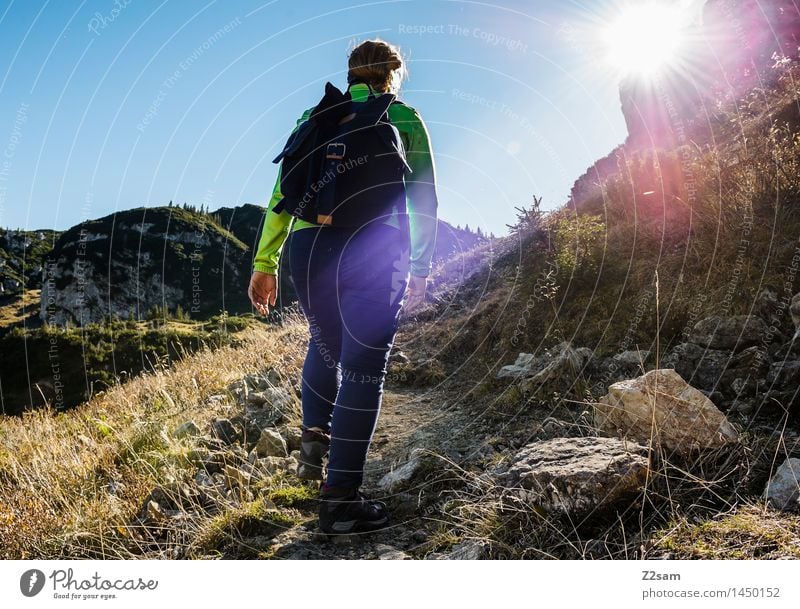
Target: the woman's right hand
pixel 263 291
pixel 416 293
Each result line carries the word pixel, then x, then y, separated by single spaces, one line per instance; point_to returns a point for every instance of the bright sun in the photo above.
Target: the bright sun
pixel 644 38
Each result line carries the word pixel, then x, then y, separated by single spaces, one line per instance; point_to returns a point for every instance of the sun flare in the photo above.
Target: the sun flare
pixel 644 38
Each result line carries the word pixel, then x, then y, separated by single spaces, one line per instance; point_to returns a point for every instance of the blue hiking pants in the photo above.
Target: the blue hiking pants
pixel 350 285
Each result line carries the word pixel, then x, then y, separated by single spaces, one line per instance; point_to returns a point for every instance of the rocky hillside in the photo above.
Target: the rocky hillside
pixel 22 256
pixel 124 265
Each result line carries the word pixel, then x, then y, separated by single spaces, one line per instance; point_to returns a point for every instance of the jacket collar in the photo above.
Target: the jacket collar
pixel 360 91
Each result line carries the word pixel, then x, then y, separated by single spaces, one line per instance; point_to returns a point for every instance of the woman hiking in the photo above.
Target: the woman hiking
pixel 359 247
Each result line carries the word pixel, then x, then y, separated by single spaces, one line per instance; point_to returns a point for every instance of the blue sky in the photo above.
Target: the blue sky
pixel 110 105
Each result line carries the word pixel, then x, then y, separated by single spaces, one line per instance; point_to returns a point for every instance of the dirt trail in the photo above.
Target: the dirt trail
pixel 409 419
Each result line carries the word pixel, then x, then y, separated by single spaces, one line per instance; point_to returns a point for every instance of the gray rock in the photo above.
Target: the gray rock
pixel 397 478
pixel 755 358
pixel 292 434
pixel 468 549
pixel 526 364
pixel 632 358
pixel 783 489
pixel 663 406
pixel 398 357
pixel 702 368
pixel 291 463
pixel 554 428
pixel 576 475
pixel 255 382
pixel 235 477
pixel 202 478
pixel 784 374
pixel 735 333
pixel 187 429
pixel 272 465
pixel 271 396
pixel 560 364
pixel 271 444
pixel 225 431
pixel 742 406
pixel 512 371
pixel 526 360
pixel 256 419
pixel 385 552
pixel 155 513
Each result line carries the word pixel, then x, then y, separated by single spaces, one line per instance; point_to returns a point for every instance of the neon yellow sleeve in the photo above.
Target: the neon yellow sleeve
pixel 276 226
pixel 421 197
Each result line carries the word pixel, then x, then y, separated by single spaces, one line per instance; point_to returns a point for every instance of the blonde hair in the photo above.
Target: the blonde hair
pixel 378 63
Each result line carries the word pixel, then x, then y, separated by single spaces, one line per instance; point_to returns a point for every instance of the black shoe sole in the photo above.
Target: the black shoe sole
pixel 354 526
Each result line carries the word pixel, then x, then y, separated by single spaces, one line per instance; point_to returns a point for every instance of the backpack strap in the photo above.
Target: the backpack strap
pixel 332 107
pixel 372 111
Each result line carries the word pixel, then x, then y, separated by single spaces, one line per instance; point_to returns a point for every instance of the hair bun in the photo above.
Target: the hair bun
pixel 377 62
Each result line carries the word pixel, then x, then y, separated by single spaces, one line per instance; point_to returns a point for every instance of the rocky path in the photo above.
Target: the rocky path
pixel 410 419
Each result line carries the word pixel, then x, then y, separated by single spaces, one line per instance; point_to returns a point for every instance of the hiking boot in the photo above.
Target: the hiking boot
pixel 313 448
pixel 345 511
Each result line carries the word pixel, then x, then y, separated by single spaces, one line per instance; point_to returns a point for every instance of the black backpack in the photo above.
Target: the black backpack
pixel 345 165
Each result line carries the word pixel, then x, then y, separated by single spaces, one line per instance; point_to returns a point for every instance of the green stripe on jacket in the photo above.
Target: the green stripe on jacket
pixel 421 199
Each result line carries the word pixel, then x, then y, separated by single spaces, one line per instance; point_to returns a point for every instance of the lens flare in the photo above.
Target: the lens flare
pixel 644 38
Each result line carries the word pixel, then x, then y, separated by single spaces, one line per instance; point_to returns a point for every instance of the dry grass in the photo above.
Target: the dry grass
pixel 70 483
pixel 752 531
pixel 19 308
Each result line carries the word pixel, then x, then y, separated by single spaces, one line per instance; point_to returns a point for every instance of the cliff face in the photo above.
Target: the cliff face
pixel 127 263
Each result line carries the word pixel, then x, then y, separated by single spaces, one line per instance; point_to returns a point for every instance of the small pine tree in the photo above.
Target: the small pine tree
pixel 180 314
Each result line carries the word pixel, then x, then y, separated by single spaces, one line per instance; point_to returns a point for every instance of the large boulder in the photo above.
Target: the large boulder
pixel 733 333
pixel 576 475
pixel 783 489
pixel 663 406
